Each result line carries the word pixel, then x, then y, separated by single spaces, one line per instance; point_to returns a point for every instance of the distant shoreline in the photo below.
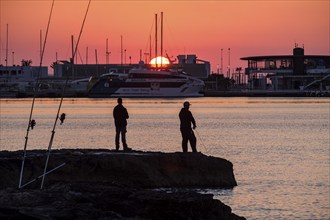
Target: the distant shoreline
pixel 206 93
pixel 267 93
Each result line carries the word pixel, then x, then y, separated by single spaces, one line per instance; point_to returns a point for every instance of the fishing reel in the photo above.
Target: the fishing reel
pixel 32 123
pixel 62 118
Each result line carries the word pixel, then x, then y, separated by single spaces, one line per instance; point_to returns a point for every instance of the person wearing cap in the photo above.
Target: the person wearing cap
pixel 186 120
pixel 120 116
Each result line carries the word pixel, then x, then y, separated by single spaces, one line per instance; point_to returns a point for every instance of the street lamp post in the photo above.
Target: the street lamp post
pixel 125 55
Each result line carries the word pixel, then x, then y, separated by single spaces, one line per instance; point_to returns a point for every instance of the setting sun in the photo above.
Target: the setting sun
pixel 159 61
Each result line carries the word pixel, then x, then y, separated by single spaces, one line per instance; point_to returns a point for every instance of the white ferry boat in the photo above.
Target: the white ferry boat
pixel 147 83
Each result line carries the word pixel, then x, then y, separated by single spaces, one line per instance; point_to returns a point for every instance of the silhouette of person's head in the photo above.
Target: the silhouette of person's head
pixel 186 104
pixel 119 100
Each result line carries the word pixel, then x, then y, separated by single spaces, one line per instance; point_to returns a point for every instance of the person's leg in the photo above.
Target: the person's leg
pixel 184 140
pixel 192 140
pixel 117 138
pixel 123 137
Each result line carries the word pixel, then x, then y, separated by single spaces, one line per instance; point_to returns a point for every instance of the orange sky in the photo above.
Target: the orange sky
pixel 190 27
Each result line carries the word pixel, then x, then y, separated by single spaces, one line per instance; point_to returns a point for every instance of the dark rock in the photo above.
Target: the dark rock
pixel 135 169
pixel 102 184
pixel 103 201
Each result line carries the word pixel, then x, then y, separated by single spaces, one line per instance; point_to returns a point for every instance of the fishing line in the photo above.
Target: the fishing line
pixel 31 122
pixel 206 151
pixel 60 105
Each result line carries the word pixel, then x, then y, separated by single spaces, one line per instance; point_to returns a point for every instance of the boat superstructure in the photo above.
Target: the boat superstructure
pixel 147 83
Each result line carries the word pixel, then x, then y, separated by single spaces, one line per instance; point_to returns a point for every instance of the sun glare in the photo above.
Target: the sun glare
pixel 159 61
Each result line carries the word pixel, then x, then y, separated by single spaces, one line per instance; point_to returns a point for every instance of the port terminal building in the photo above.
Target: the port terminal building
pixel 288 72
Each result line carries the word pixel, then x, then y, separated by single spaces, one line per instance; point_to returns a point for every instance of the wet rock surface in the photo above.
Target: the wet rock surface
pixel 102 184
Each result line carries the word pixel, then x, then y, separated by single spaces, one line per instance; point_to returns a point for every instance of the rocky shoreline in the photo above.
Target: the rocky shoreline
pixel 104 184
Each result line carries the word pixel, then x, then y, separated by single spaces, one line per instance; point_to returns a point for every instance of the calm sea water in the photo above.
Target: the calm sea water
pixel 280 147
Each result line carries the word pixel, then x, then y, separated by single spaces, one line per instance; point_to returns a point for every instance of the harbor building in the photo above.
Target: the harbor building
pixel 24 73
pixel 19 79
pixel 188 63
pixel 296 72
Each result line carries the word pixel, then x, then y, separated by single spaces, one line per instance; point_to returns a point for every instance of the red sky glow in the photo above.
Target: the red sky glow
pixel 248 28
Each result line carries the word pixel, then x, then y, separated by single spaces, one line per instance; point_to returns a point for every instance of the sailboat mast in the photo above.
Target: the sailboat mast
pixel 156 42
pixel 7 47
pixel 96 60
pixel 86 55
pixel 150 48
pixel 221 61
pixel 72 48
pixel 228 62
pixel 107 52
pixel 40 44
pixel 72 59
pixel 121 50
pixel 161 40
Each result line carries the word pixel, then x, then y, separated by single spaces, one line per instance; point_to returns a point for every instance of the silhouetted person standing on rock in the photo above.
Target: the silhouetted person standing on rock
pixel 120 115
pixel 186 119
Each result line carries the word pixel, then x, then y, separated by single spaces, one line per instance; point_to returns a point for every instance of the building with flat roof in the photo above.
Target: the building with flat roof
pixel 289 72
pixel 16 73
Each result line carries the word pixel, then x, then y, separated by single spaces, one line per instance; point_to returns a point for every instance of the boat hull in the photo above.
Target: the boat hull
pixel 104 89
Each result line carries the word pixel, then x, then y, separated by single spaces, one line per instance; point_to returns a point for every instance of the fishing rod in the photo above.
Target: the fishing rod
pixel 48 172
pixel 60 105
pixel 32 122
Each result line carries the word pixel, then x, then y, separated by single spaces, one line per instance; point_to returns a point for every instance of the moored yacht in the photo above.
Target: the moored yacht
pixel 147 83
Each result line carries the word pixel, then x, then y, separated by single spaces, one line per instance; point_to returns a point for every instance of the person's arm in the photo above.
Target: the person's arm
pixel 126 112
pixel 180 115
pixel 193 121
